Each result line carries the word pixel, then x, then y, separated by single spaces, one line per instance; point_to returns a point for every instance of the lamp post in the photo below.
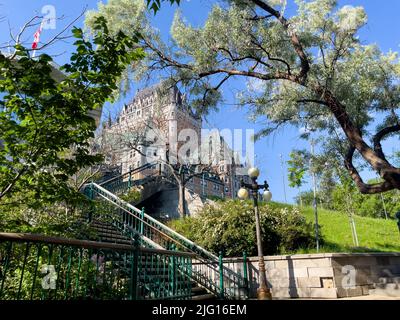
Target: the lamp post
pixel 263 292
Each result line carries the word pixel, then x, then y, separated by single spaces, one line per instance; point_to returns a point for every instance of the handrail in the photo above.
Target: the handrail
pixel 81 269
pixel 87 244
pixel 148 224
pixel 161 225
pixel 132 171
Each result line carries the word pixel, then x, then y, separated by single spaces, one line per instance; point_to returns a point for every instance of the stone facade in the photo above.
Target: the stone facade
pixel 159 119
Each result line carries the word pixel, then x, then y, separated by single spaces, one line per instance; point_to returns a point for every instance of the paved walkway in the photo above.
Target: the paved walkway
pixel 371 297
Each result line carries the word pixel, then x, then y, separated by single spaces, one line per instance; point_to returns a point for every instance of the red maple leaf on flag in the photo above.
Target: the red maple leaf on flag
pixel 36 36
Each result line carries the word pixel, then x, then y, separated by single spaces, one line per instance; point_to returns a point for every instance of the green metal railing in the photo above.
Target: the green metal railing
pixel 35 267
pixel 207 270
pixel 124 182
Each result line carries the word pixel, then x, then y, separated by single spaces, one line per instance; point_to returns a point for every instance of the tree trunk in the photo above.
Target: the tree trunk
pixel 389 173
pixel 181 201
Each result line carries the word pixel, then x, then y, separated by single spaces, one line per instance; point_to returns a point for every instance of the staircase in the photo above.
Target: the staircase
pixel 122 221
pixel 105 232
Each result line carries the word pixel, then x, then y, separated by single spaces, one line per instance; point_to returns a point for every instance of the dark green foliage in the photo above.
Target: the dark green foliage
pixel 45 123
pixel 297 167
pixel 229 226
pixel 155 5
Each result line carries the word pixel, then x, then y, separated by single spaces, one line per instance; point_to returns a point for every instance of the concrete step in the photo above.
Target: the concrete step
pixel 204 297
pixel 112 235
pixel 116 241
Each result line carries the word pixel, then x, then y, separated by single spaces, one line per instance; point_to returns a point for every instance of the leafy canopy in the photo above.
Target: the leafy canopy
pixel 45 121
pixel 309 70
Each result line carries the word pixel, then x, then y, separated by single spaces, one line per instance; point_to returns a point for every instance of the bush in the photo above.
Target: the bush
pixel 133 195
pixel 229 226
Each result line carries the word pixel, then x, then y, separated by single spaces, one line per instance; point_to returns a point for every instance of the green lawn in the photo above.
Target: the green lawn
pixel 373 234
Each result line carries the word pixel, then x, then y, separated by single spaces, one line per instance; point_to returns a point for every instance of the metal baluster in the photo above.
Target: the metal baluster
pixel 78 273
pixel 112 274
pixel 221 276
pixel 23 269
pixel 60 258
pixel 141 221
pixel 245 275
pixel 39 251
pixel 105 287
pixel 6 265
pixel 68 272
pixel 134 270
pixel 165 279
pixel 89 255
pixel 190 275
pixel 50 248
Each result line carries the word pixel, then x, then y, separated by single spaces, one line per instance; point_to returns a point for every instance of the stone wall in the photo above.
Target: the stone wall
pixel 322 275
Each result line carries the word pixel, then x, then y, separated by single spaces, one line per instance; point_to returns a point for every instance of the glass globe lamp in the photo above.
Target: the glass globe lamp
pixel 253 172
pixel 243 193
pixel 267 195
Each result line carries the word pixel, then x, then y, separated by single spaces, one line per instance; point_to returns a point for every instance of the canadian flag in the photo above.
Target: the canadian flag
pixel 36 36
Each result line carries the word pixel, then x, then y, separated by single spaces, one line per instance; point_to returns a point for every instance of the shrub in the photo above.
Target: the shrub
pixel 133 195
pixel 229 226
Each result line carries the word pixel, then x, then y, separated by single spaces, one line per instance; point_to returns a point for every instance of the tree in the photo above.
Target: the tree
pixel 310 69
pixel 326 169
pixel 46 126
pixel 182 174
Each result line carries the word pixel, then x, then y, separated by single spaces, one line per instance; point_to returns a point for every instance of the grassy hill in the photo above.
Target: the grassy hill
pixel 373 234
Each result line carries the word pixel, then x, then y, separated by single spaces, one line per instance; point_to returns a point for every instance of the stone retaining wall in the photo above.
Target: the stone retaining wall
pixel 322 275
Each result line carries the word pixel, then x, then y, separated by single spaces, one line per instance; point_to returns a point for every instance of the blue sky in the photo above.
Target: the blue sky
pixel 382 28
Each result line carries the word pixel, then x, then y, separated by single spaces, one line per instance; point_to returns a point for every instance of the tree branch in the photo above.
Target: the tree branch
pixel 362 186
pixel 380 135
pixel 305 65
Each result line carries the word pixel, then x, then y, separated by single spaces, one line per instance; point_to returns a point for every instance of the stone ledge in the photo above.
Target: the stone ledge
pixel 325 293
pixel 316 256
